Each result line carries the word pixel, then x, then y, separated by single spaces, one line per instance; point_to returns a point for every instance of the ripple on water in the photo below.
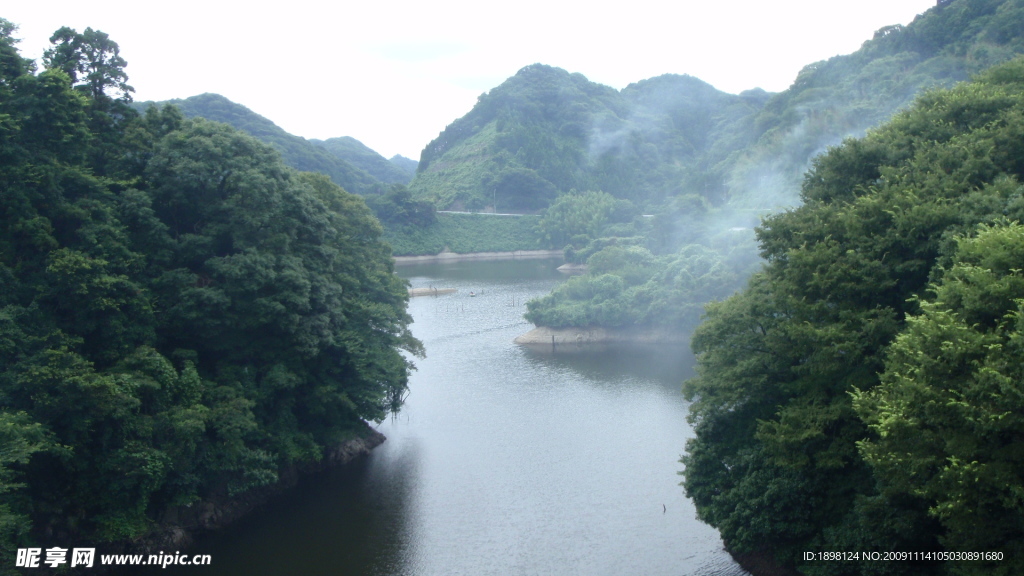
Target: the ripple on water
pixel 504 461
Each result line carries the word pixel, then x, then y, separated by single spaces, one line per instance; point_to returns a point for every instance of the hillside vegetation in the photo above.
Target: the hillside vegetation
pixel 465 233
pixel 545 131
pixel 182 316
pixel 359 155
pixel 863 393
pixel 740 181
pixel 343 166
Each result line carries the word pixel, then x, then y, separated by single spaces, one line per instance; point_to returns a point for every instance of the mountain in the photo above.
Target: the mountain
pixel 545 131
pixel 359 155
pixel 298 152
pixel 847 95
pixel 407 165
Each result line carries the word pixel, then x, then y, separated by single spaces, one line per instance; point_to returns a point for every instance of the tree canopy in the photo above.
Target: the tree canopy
pixel 182 316
pixel 860 393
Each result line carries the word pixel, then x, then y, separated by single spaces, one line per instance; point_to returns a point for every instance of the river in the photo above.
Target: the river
pixel 504 460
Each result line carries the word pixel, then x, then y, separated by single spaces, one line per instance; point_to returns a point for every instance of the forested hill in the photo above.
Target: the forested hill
pixel 183 318
pixel 847 95
pixel 347 166
pixel 545 131
pixel 407 165
pixel 864 392
pixel 393 171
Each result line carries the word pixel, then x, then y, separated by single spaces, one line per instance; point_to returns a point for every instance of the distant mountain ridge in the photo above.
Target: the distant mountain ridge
pixel 545 131
pixel 362 157
pixel 352 165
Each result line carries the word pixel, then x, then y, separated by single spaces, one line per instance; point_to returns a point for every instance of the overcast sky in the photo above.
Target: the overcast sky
pixel 394 74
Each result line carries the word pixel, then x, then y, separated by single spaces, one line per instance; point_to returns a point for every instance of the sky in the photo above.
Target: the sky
pixel 393 74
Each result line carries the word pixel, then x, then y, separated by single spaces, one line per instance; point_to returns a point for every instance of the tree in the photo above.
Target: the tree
pixel 12 65
pixel 948 416
pixel 92 60
pixel 576 215
pixel 182 317
pixel 522 189
pixel 780 364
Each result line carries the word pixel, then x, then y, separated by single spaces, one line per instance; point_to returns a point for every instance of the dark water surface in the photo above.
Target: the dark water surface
pixel 504 461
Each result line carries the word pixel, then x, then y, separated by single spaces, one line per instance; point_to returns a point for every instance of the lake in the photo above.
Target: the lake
pixel 504 460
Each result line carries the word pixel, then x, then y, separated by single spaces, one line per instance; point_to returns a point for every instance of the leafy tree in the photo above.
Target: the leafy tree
pixel 576 214
pixel 297 152
pixel 91 59
pixel 521 189
pixel 778 363
pixel 947 416
pixel 182 317
pixel 398 208
pixel 628 287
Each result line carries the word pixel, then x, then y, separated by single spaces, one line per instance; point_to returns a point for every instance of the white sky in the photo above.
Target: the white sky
pixel 394 74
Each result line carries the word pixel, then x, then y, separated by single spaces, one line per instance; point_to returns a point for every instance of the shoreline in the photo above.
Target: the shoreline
pixel 413 292
pixel 182 525
pixel 454 257
pixel 552 338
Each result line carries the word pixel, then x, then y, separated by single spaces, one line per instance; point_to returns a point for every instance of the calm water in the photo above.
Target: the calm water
pixel 504 461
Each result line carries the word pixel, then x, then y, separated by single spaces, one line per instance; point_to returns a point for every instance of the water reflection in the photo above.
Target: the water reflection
pixel 504 461
pixel 668 364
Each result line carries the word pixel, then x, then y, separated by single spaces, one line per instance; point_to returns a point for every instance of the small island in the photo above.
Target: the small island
pixel 629 295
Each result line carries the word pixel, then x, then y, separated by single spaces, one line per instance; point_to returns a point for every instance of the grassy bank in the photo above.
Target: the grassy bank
pixel 463 233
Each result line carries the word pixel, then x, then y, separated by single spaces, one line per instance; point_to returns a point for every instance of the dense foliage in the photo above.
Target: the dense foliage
pixel 465 233
pixel 406 165
pixel 181 315
pixel 947 418
pixel 577 217
pixel 841 403
pixel 643 272
pixel 628 287
pixel 397 208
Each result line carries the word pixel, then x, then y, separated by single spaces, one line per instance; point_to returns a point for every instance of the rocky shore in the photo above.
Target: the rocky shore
pixel 181 524
pixel 573 268
pixel 544 336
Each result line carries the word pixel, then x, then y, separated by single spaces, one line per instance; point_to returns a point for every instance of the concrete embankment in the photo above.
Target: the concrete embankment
pixel 544 336
pixel 454 257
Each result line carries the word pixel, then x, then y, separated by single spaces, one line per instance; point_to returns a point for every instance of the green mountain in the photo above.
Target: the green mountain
pixel 361 156
pixel 545 131
pixel 407 165
pixel 297 152
pixel 845 96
